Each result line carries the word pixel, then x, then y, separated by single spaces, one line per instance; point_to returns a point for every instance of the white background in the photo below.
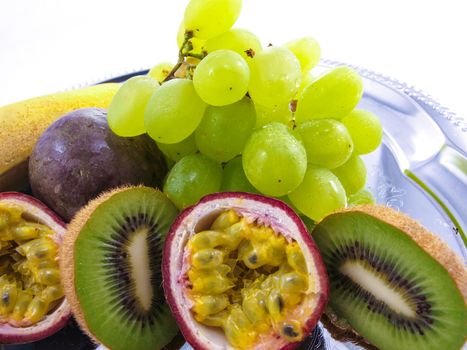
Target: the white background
pixel 52 45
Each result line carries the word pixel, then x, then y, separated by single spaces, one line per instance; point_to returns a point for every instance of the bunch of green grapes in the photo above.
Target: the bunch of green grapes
pixel 231 115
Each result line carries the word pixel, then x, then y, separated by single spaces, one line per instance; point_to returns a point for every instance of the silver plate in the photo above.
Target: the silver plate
pixel 420 169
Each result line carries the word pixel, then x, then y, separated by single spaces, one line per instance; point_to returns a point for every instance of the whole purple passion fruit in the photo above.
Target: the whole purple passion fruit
pixel 78 157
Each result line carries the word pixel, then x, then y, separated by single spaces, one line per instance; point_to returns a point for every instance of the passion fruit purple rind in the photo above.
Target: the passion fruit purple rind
pixel 32 306
pixel 242 271
pixel 78 157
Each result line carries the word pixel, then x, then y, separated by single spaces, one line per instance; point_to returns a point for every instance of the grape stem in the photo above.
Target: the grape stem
pixel 183 53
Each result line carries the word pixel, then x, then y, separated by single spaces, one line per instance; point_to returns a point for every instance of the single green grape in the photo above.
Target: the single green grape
pixel 319 194
pixel 176 151
pixel 307 79
pixel 126 111
pixel 307 50
pixel 191 178
pixel 160 71
pixel 266 115
pixel 332 95
pixel 234 178
pixel 274 160
pixel 239 40
pixel 196 43
pixel 327 142
pixel 275 77
pixel 366 130
pixel 174 111
pixel 224 131
pixel 352 174
pixel 222 78
pixel 364 196
pixel 209 18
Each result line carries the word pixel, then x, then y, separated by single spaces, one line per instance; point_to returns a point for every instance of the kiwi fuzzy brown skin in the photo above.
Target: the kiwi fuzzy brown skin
pixel 84 222
pixel 67 257
pixel 426 240
pixel 78 157
pixel 343 332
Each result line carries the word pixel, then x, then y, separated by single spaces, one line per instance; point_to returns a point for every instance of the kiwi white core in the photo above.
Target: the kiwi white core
pixel 369 280
pixel 138 253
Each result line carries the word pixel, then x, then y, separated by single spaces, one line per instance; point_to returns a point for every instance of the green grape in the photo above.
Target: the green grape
pixel 307 79
pixel 222 78
pixel 266 115
pixel 319 194
pixel 366 130
pixel 174 111
pixel 333 95
pixel 361 197
pixel 191 178
pixel 210 18
pixel 274 160
pixel 275 77
pixel 176 151
pixel 327 142
pixel 307 50
pixel 224 131
pixel 234 178
pixel 160 71
pixel 196 43
pixel 238 40
pixel 352 174
pixel 126 111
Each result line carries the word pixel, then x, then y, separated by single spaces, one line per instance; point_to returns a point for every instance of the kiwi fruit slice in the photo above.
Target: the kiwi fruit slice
pixel 110 261
pixel 396 284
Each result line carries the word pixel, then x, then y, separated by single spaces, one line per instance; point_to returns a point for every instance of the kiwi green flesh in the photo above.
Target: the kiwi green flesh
pixel 357 248
pixel 105 280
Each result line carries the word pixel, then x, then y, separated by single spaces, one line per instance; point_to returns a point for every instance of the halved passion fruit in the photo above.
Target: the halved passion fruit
pixel 242 272
pixel 32 305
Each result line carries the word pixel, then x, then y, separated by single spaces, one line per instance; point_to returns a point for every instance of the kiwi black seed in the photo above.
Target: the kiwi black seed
pixel 110 261
pixel 395 283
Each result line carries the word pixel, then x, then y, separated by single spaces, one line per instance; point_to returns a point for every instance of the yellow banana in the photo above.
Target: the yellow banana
pixel 22 123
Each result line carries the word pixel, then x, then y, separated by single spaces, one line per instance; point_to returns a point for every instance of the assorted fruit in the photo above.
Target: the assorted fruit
pixel 294 126
pixel 22 124
pixel 243 139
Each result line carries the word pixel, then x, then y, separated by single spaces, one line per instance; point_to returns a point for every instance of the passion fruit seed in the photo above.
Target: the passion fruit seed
pixel 292 331
pixel 246 278
pixel 30 279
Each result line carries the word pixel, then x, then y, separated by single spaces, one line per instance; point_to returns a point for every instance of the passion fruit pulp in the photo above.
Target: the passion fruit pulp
pixel 32 305
pixel 242 272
